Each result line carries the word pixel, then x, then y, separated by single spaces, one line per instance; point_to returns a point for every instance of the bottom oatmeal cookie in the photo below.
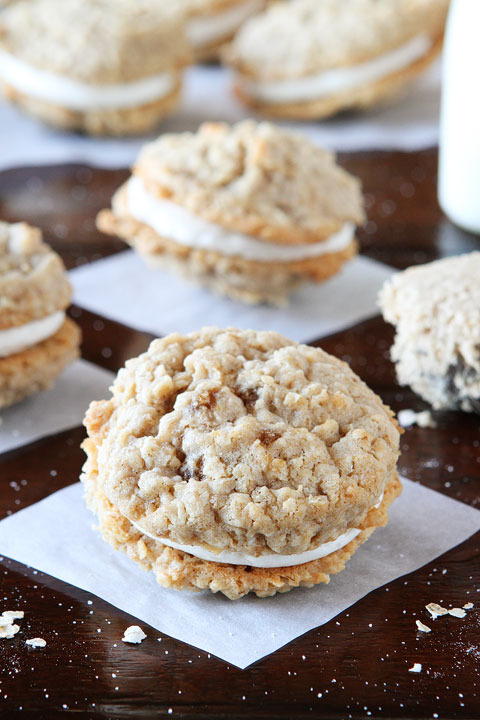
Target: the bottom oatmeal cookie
pixel 239 461
pixel 115 122
pixel 35 368
pixel 179 570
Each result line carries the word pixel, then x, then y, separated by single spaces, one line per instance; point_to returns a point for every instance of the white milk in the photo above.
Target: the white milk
pixel 459 169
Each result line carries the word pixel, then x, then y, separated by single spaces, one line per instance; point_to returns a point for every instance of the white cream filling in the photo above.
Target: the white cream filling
pixel 77 95
pixel 15 339
pixel 174 222
pixel 338 80
pixel 202 31
pixel 271 560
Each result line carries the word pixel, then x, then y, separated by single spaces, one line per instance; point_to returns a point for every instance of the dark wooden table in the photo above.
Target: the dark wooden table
pixel 356 665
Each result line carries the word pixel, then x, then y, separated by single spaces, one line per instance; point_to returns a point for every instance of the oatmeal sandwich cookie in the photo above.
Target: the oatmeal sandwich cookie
pixel 249 211
pixel 211 23
pixel 436 312
pixel 313 58
pixel 37 341
pixel 99 66
pixel 239 461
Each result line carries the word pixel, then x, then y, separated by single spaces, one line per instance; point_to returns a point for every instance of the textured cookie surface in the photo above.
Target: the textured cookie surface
pixel 181 571
pixel 33 281
pixel 242 440
pixel 436 311
pixel 36 368
pixel 254 178
pixel 304 37
pixel 96 41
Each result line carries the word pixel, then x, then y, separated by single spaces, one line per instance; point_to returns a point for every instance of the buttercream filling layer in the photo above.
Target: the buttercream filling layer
pixel 76 95
pixel 14 340
pixel 271 560
pixel 170 220
pixel 202 31
pixel 337 80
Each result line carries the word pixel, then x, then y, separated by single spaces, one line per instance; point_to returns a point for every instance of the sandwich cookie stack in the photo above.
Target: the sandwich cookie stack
pixel 37 341
pixel 98 66
pixel 249 211
pixel 239 461
pixel 313 58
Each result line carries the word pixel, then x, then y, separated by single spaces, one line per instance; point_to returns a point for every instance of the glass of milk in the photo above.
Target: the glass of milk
pixel 459 158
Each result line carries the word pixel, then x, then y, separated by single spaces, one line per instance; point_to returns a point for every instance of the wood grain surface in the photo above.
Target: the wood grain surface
pixel 356 666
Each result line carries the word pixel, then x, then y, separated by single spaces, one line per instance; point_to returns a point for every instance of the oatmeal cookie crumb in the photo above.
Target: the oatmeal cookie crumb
pixel 133 634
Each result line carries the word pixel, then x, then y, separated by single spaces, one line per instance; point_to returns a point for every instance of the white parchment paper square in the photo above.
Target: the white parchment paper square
pixel 51 411
pixel 56 536
pixel 125 289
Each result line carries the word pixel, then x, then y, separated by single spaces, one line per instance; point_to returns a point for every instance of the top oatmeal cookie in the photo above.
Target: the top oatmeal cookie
pixel 33 281
pixel 242 440
pixel 96 41
pixel 303 37
pixel 254 178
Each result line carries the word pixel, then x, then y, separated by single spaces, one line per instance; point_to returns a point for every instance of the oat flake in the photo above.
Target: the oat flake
pixel 416 668
pixel 422 627
pixel 133 634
